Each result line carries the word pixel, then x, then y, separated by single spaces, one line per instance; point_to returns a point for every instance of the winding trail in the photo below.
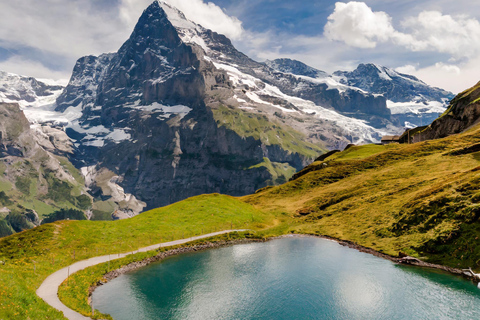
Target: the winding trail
pixel 48 290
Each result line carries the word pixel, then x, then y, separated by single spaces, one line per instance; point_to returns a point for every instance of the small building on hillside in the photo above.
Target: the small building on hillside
pixel 390 139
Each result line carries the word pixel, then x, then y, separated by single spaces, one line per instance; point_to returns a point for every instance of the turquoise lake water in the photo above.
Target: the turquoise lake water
pixel 289 278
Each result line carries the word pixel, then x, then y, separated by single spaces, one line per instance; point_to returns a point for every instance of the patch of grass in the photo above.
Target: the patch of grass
pixel 107 206
pixel 24 185
pixel 34 254
pixel 98 215
pixel 5 185
pixel 40 207
pixel 361 152
pixel 70 168
pixel 280 172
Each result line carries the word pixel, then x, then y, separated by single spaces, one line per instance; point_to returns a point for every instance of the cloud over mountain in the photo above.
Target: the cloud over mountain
pixel 358 25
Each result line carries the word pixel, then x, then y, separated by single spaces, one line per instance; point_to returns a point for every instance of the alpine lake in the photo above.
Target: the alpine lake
pixel 287 278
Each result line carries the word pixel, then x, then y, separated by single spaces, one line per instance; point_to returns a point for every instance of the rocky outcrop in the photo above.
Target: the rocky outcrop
pixel 463 112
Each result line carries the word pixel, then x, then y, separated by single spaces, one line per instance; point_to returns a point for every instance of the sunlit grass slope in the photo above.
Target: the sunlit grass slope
pixel 32 255
pixel 422 199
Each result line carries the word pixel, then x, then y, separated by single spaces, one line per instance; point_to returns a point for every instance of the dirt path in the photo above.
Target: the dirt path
pixel 48 290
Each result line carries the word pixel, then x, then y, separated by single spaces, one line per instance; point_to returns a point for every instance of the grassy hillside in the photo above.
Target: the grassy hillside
pixel 32 255
pixel 422 199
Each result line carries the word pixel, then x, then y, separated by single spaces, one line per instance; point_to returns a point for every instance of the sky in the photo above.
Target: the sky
pixel 436 40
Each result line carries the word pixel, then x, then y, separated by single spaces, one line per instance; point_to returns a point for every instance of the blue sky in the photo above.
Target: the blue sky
pixel 438 41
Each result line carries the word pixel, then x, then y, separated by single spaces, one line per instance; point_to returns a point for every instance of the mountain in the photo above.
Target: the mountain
pixel 408 98
pixel 178 111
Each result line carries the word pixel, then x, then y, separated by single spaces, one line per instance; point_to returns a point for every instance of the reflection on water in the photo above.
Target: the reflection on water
pixel 290 278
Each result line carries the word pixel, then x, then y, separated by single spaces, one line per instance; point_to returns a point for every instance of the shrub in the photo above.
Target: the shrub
pixel 64 214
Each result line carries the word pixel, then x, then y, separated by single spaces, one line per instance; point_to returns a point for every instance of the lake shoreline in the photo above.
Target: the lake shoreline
pixel 405 260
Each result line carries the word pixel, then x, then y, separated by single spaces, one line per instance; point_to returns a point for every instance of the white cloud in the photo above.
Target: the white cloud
pixel 71 29
pixel 459 36
pixel 357 25
pixel 453 69
pixel 455 78
pixel 407 69
pixel 31 68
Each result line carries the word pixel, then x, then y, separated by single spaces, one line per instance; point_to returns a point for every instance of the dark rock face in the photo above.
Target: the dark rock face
pixel 183 162
pixel 154 65
pixel 82 88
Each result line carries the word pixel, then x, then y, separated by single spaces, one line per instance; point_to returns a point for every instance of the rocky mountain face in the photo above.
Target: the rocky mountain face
pixel 179 111
pixel 408 98
pixel 152 114
pixel 462 113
